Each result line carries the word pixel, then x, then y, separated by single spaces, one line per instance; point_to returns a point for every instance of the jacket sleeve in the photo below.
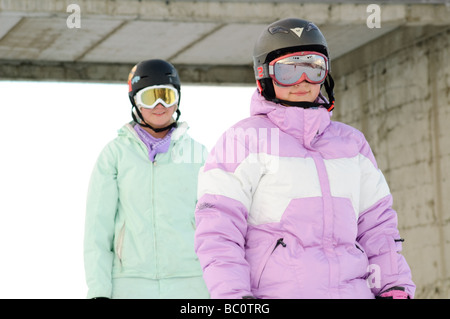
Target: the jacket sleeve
pixel 101 209
pixel 225 189
pixel 378 230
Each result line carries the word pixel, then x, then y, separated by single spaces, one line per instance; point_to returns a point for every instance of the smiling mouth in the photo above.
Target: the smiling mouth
pixel 300 93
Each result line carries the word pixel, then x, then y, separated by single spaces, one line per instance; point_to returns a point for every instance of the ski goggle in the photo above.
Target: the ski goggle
pixel 153 95
pixel 288 70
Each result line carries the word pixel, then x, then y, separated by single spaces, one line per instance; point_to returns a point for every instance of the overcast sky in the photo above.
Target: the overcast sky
pixel 51 134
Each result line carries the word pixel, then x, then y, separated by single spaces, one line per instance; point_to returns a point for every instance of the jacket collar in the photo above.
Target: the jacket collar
pixel 178 133
pixel 303 124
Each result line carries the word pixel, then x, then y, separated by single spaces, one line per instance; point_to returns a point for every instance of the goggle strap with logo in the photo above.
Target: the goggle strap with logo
pixel 262 72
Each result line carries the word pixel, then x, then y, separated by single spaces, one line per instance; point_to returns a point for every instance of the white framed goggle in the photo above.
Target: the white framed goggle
pixel 151 96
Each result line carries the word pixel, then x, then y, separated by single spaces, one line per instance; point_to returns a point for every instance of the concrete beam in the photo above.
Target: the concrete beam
pixel 117 73
pixel 321 12
pixel 209 41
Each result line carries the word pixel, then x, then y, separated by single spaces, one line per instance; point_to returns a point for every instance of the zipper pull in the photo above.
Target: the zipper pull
pixel 279 242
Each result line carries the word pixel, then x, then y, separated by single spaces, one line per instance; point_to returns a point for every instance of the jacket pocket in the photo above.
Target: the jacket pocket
pixel 359 248
pixel 396 248
pixel 266 259
pixel 119 244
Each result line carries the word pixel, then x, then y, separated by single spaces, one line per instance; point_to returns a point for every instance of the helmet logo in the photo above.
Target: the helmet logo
pixel 298 31
pixel 130 76
pixel 278 29
pixel 311 26
pixel 135 79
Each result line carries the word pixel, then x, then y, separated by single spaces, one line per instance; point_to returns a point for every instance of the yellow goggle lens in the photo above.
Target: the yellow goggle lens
pixel 150 97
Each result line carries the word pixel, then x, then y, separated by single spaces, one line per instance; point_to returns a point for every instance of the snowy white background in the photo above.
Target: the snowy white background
pixel 50 135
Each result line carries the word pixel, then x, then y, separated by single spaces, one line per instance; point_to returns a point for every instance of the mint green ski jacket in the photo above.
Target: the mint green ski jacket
pixel 140 214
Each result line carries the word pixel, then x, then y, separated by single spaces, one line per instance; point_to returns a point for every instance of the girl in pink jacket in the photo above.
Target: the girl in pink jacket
pixel 290 203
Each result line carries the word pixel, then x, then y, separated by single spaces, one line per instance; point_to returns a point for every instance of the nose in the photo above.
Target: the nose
pixel 159 106
pixel 302 78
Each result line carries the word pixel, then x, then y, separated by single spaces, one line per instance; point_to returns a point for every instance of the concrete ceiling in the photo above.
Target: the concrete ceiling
pixel 208 41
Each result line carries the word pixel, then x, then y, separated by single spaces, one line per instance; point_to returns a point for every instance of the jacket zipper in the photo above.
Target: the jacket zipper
pixel 278 243
pixel 359 248
pixel 154 218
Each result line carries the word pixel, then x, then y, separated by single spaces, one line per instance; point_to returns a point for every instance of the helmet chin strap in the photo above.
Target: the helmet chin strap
pixel 329 85
pixel 143 123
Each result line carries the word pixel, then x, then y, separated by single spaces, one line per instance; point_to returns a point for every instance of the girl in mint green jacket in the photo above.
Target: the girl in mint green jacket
pixel 139 229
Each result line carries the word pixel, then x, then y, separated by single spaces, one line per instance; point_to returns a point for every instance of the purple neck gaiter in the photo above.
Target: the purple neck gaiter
pixel 154 145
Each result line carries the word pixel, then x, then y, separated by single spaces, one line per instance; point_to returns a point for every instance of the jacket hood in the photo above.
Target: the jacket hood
pixel 303 124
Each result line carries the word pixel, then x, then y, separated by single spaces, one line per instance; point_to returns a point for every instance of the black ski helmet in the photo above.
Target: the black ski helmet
pixel 283 37
pixel 149 73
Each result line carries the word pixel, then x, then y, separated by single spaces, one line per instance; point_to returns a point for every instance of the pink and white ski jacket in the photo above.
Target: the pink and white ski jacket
pixel 293 205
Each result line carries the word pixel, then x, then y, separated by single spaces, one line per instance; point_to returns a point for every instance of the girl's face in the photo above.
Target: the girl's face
pixel 302 92
pixel 158 117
